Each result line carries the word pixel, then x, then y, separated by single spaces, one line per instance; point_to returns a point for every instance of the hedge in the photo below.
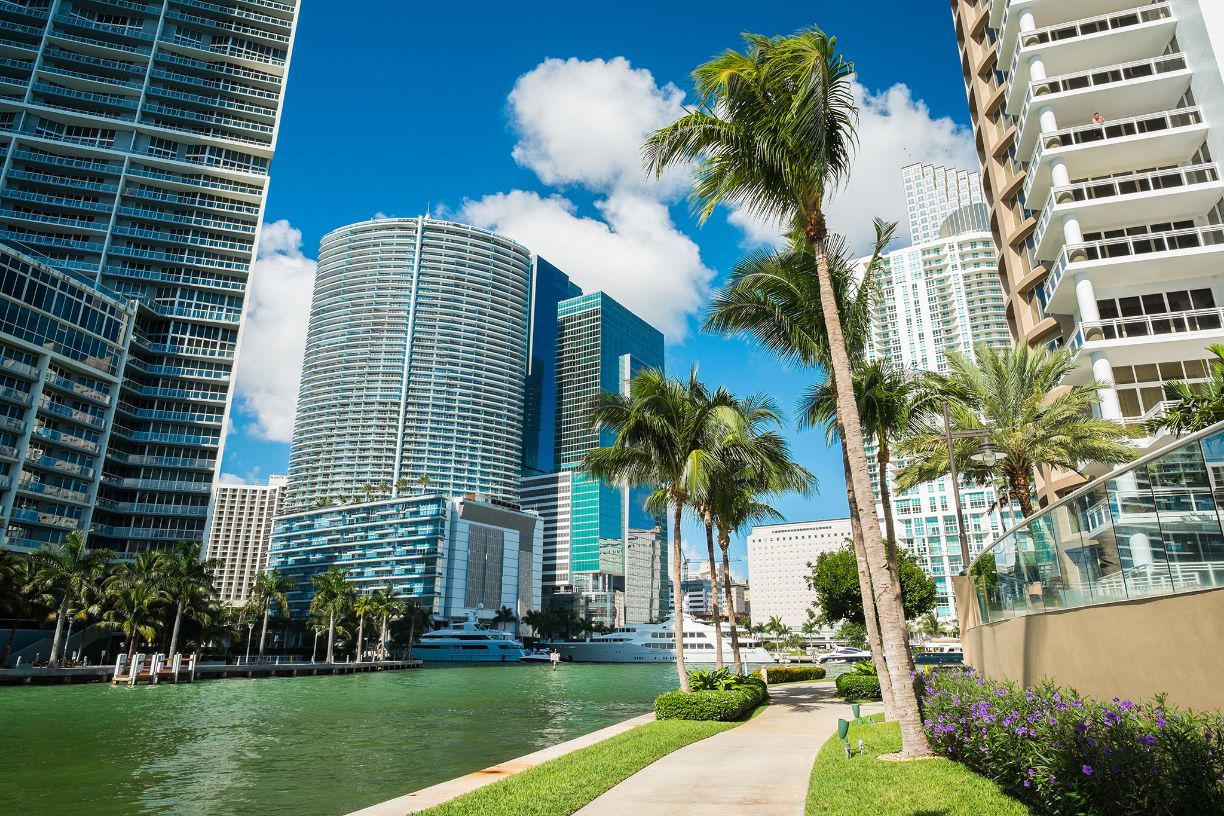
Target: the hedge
pixel 721 706
pixel 1067 754
pixel 793 674
pixel 854 686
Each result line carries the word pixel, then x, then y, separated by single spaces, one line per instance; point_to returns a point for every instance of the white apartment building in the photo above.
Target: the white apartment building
pixel 778 558
pixel 241 532
pixel 932 193
pixel 1100 124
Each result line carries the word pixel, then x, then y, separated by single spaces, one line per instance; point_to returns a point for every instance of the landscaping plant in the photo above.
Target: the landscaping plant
pixel 861 684
pixel 1067 754
pixel 716 695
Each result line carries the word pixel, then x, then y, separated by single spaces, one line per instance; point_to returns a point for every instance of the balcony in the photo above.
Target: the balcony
pixel 66 412
pixel 1168 336
pixel 38 459
pixel 28 485
pixel 1133 259
pixel 1115 91
pixel 159 484
pixel 212 283
pixel 13 395
pixel 1179 194
pixel 67 440
pixel 1164 139
pixel 1046 13
pixel 1121 36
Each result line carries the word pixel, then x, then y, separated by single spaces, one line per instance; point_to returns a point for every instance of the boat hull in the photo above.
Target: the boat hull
pixel 445 654
pixel 594 652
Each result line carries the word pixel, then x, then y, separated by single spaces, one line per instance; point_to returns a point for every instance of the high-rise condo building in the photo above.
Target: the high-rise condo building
pixel 1099 125
pixel 415 372
pixel 939 296
pixel 136 140
pixel 778 555
pixel 240 532
pixel 932 193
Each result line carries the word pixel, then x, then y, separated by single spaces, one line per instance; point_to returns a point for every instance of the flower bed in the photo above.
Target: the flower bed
pixel 733 701
pixel 1069 755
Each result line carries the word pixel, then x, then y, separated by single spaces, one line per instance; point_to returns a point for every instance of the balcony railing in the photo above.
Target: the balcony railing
pixel 1129 246
pixel 1124 185
pixel 1040 90
pixel 1111 130
pixel 1191 320
pixel 1148 529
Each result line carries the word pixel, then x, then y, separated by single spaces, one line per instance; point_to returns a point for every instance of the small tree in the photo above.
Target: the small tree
pixel 834 579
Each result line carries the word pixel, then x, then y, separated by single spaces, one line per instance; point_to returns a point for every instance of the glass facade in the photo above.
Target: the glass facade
pixel 1152 528
pixel 551 286
pixel 416 363
pixel 136 139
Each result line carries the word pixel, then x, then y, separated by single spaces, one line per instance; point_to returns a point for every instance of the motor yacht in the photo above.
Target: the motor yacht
pixel 844 654
pixel 469 642
pixel 656 643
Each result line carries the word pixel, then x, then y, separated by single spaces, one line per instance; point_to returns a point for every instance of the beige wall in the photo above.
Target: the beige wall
pixel 1136 649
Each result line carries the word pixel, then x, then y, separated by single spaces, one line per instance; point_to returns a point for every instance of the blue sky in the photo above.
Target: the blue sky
pixel 526 118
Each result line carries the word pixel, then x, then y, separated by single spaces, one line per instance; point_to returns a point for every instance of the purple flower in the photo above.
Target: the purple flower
pixel 1127 705
pixel 1028 784
pixel 1147 740
pixel 1087 769
pixel 1031 773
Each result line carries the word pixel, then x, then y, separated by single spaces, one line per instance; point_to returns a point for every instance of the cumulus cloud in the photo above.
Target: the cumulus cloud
pixel 274 337
pixel 895 130
pixel 581 123
pixel 252 477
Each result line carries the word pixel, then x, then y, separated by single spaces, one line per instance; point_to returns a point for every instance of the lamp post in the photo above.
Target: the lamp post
pixel 988 455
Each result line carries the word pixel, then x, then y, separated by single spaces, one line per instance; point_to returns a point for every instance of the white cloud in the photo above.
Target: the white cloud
pixel 252 477
pixel 894 130
pixel 274 337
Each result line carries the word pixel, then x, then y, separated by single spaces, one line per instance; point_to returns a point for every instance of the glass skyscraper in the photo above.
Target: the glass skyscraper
pixel 136 139
pixel 416 364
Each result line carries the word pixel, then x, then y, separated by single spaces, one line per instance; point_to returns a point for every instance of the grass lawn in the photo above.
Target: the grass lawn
pixel 865 786
pixel 563 785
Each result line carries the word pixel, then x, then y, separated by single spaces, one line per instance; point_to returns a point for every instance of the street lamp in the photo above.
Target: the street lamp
pixel 988 454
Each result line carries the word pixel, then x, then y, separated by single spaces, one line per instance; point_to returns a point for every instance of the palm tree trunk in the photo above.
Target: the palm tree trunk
pixel 60 616
pixel 331 637
pixel 263 633
pixel 1020 489
pixel 314 650
pixel 360 635
pixel 871 618
pixel 718 650
pixel 382 639
pixel 724 544
pixel 68 638
pixel 890 531
pixel 8 647
pixel 678 590
pixel 178 620
pixel 892 632
pixel 411 635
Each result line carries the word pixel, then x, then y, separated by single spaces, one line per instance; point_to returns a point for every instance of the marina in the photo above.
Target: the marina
pixel 655 643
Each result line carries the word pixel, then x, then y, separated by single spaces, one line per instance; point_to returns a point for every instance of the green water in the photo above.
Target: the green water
pixel 319 746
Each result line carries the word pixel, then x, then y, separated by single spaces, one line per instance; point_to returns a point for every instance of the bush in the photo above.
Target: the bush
pixel 793 674
pixel 720 705
pixel 854 686
pixel 1066 754
pixel 720 680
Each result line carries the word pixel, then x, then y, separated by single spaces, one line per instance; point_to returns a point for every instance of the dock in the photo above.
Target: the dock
pixel 186 673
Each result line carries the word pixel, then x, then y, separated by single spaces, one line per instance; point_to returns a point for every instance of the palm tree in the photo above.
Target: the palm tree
pixel 188 578
pixel 401 484
pixel 68 571
pixel 20 594
pixel 416 619
pixel 333 595
pixel 364 606
pixel 930 625
pixel 387 605
pixel 774 134
pixel 134 597
pixel 1195 405
pixel 270 588
pixel 665 431
pixel 1010 395
pixel 504 615
pixel 423 480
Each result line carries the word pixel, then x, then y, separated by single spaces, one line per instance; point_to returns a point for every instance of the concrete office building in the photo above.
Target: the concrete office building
pixel 415 371
pixel 455 556
pixel 1100 125
pixel 240 533
pixel 778 555
pixel 939 296
pixel 137 139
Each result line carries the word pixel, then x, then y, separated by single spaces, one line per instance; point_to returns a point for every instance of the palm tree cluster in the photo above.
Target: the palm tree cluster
pixel 552 624
pixel 337 608
pixel 773 134
pixel 374 490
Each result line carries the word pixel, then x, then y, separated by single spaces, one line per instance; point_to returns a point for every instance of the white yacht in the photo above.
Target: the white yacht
pixel 469 642
pixel 844 654
pixel 655 643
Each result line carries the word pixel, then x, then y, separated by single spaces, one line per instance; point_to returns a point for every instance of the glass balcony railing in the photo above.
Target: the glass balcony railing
pixel 1149 529
pixel 1153 325
pixel 1115 75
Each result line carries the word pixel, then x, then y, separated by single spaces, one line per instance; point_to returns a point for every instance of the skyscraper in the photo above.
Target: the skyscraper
pixel 240 532
pixel 1100 130
pixel 137 139
pixel 932 193
pixel 415 371
pixel 550 287
pixel 777 559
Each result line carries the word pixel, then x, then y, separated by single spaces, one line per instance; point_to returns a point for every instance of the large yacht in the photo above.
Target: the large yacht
pixel 655 643
pixel 469 642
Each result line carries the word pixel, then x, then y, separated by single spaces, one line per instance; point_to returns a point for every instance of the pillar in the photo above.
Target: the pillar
pixel 1049 122
pixel 1102 372
pixel 1060 176
pixel 1027 21
pixel 1037 69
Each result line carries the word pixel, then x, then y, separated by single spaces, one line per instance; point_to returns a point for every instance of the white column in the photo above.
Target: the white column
pixel 1037 69
pixel 1072 233
pixel 1027 21
pixel 1049 122
pixel 1102 372
pixel 1085 298
pixel 1060 176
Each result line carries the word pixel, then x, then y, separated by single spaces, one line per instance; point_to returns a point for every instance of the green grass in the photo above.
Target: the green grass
pixel 865 786
pixel 563 785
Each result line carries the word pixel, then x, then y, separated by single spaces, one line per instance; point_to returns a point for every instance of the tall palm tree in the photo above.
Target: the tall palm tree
pixel 774 133
pixel 387 605
pixel 135 595
pixel 1195 405
pixel 68 571
pixel 416 619
pixel 333 597
pixel 424 481
pixel 930 625
pixel 504 615
pixel 665 431
pixel 270 588
pixel 1010 394
pixel 364 606
pixel 188 578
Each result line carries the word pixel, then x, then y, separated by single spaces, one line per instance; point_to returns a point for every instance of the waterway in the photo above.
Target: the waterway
pixel 318 746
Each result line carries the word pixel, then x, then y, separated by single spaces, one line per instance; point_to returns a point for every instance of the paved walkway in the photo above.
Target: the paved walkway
pixel 760 768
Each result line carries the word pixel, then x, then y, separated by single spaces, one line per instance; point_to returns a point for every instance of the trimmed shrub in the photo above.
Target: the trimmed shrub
pixel 793 674
pixel 854 686
pixel 722 706
pixel 1066 754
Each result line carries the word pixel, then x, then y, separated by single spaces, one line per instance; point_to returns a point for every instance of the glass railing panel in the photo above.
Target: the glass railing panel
pixel 1140 543
pixel 1187 507
pixel 1004 597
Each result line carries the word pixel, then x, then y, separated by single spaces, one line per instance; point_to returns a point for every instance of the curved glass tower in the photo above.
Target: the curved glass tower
pixel 416 363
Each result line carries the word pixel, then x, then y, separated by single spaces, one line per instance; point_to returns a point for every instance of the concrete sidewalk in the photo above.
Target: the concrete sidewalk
pixel 760 768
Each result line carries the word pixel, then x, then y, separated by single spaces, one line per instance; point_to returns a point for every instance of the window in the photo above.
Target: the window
pixel 164 148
